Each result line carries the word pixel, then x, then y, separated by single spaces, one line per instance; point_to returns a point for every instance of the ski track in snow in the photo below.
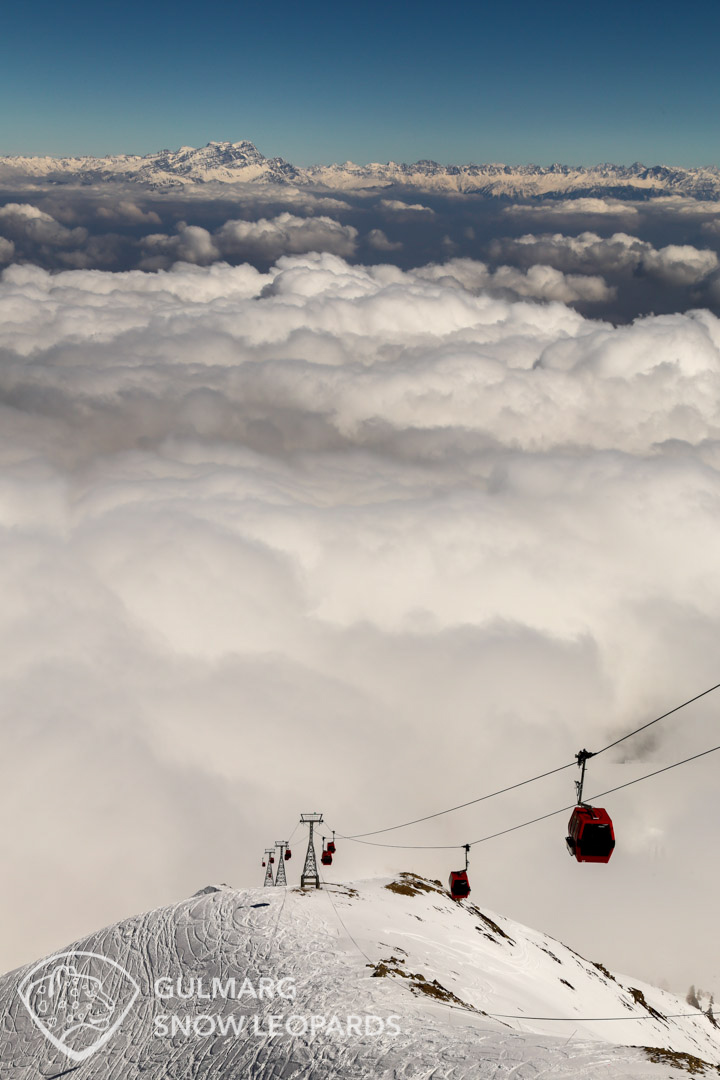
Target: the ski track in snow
pixel 329 942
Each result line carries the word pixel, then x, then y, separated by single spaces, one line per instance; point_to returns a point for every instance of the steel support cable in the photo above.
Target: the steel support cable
pixel 598 795
pixel 461 806
pixel 595 1019
pixel 405 847
pixel 522 783
pixel 481 1014
pixel 277 924
pixel 297 826
pixel 337 916
pixel 643 727
pixel 542 817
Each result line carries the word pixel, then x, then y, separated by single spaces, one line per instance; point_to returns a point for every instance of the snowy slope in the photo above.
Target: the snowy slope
pixel 378 949
pixel 242 162
pixel 224 162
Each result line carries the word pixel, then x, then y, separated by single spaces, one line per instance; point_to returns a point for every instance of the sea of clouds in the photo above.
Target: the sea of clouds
pixel 358 538
pixel 607 258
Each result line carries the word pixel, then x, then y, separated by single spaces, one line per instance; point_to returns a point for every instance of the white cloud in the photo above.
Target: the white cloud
pixel 539 282
pixel 682 204
pixel 286 234
pixel 7 250
pixel 267 238
pixel 569 207
pixel 680 264
pixel 365 530
pixel 191 243
pixel 400 207
pixel 712 228
pixel 676 264
pixel 546 283
pixel 20 221
pixel 253 196
pixel 376 238
pixel 127 211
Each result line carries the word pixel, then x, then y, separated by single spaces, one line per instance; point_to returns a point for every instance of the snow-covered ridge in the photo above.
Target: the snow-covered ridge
pixel 222 161
pixel 463 986
pixel 241 162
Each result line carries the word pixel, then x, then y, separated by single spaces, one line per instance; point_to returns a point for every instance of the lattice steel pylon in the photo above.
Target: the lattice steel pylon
pixel 310 874
pixel 268 871
pixel 280 878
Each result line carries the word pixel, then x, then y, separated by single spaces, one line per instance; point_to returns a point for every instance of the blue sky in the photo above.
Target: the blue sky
pixel 469 82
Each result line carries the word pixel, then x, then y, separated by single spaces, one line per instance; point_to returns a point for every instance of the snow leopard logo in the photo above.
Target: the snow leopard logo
pixel 78 1001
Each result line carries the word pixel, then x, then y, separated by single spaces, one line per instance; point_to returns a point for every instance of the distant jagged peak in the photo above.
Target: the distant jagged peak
pixel 244 144
pixel 240 161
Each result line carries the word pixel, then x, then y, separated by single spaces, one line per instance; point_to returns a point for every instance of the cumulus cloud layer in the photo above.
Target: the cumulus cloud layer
pixel 572 207
pixel 539 281
pixel 264 239
pixel 677 264
pixel 38 236
pixel 20 221
pixel 364 540
pixel 400 207
pixel 659 256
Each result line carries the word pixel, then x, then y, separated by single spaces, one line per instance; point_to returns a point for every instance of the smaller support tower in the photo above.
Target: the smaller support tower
pixel 268 872
pixel 310 874
pixel 280 878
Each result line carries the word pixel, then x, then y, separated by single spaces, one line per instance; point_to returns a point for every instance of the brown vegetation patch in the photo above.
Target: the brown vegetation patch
pixel 419 984
pixel 691 1064
pixel 413 885
pixel 606 973
pixel 493 926
pixel 639 999
pixel 383 968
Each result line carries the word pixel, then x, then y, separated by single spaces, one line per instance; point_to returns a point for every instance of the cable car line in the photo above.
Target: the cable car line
pixel 461 806
pixel 594 1019
pixel 481 1013
pixel 405 847
pixel 570 1019
pixel 657 772
pixel 657 719
pixel 297 826
pixel 533 821
pixel 275 928
pixel 337 915
pixel 599 795
pixel 590 838
pixel 530 780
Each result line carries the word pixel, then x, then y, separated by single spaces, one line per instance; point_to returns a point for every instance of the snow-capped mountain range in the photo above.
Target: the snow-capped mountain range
pixel 451 990
pixel 241 162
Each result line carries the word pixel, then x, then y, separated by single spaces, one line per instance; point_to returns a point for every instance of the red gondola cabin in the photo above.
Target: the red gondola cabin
pixel 591 837
pixel 288 853
pixel 326 858
pixel 331 847
pixel 459 884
